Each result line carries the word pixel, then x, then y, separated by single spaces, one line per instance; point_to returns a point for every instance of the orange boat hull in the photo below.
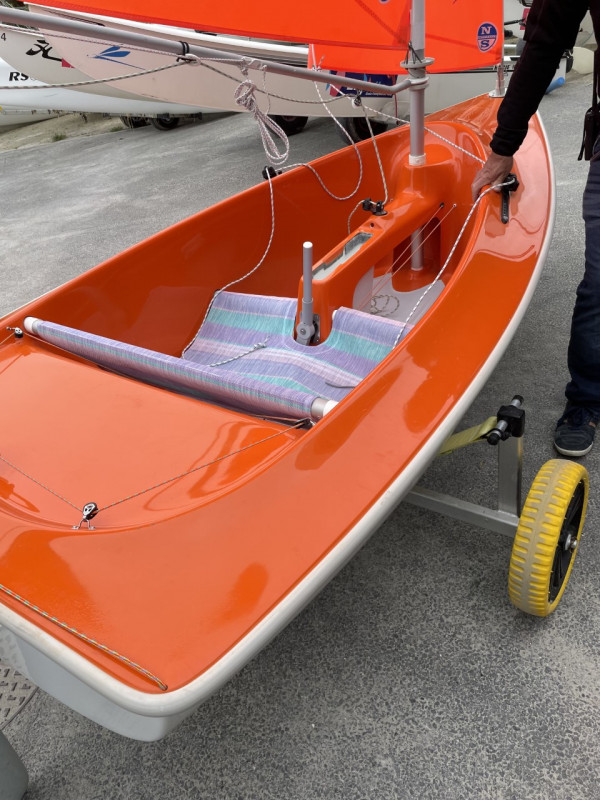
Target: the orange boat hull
pixel 175 588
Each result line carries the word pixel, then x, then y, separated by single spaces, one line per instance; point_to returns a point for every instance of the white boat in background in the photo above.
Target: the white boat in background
pixel 515 17
pixel 19 90
pixel 515 13
pixel 17 117
pixel 13 116
pixel 586 31
pixel 29 53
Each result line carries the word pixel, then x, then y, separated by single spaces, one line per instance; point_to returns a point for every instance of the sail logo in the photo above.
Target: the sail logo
pixel 117 55
pixel 487 36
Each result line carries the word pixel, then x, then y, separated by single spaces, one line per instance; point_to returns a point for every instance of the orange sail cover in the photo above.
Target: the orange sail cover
pixel 368 23
pixel 459 35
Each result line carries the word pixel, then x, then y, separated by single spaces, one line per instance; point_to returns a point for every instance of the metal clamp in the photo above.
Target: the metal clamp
pixel 511 185
pixel 508 433
pixel 89 512
pixel 374 206
pixel 270 172
pixel 511 422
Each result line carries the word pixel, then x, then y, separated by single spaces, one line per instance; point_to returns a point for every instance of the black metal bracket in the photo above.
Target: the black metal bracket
pixel 374 206
pixel 88 513
pixel 270 172
pixel 512 184
pixel 510 422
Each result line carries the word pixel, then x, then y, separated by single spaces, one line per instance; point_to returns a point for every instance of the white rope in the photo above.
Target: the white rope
pixel 257 346
pixel 10 336
pixel 357 151
pixel 204 62
pixel 250 272
pixel 381 170
pixel 39 483
pixel 244 97
pixel 337 122
pixel 461 232
pixel 358 156
pixel 393 118
pixel 296 424
pixel 99 80
pixel 388 276
pixel 429 130
pixel 456 146
pixel 380 302
pixel 450 254
pixel 351 214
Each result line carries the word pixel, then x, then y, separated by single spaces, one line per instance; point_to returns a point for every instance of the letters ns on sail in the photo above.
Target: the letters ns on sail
pixel 459 35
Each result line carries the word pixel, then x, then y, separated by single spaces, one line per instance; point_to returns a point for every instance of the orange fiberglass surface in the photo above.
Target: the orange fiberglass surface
pixel 217 525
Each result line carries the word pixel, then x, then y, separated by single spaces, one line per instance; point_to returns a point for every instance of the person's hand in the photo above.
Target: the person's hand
pixel 494 171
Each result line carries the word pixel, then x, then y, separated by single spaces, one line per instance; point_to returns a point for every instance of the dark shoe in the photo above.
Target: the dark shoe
pixel 575 431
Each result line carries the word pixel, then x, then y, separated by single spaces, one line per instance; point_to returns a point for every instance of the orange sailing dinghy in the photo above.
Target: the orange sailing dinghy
pixel 214 421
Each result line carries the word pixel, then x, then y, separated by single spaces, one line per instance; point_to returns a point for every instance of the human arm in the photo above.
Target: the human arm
pixel 552 27
pixel 494 171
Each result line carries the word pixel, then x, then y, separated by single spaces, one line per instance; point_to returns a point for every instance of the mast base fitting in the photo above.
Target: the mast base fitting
pixel 374 206
pixel 420 63
pixel 417 161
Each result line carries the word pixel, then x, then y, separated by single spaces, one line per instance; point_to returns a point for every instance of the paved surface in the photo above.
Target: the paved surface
pixel 15 692
pixel 411 676
pixel 62 127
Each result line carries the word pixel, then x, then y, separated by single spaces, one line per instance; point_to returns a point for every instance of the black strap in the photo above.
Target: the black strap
pixel 596 82
pixel 591 125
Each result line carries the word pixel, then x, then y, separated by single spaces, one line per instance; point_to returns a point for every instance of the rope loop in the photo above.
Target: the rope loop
pixel 244 96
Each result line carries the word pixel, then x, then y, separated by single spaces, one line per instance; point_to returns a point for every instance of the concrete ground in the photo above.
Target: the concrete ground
pixel 64 126
pixel 411 675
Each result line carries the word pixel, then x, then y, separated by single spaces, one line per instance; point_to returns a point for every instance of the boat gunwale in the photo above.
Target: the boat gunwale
pixel 188 697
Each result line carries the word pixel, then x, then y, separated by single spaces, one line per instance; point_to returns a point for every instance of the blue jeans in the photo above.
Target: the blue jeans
pixel 584 346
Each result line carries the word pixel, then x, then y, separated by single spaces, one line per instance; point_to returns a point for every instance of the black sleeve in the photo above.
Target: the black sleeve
pixel 552 27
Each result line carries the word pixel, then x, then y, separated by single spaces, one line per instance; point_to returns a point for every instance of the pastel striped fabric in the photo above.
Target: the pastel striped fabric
pixel 245 356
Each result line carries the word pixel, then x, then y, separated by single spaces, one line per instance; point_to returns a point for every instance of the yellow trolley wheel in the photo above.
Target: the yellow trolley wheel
pixel 547 537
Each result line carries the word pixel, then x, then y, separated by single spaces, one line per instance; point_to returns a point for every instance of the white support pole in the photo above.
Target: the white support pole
pixel 416 69
pixel 416 250
pixel 305 330
pixel 500 89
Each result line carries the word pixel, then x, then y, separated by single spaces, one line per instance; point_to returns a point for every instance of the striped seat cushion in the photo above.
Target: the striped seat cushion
pixel 245 356
pixel 253 335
